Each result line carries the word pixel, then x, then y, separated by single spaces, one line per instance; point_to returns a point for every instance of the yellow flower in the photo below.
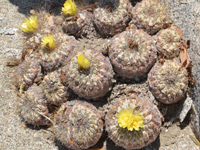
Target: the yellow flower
pixel 30 24
pixel 69 8
pixel 127 119
pixel 48 41
pixel 137 122
pixel 83 62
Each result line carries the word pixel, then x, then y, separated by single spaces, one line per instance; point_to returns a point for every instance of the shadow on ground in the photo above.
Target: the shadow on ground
pixel 25 6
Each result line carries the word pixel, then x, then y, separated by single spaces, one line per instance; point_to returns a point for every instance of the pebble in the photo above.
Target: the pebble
pixel 7 91
pixel 11 52
pixel 8 31
pixel 2 16
pixel 4 10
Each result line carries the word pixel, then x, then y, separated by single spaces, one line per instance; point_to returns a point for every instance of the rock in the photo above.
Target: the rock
pixel 8 31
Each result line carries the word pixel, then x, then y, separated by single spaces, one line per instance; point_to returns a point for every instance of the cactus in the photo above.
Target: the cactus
pixel 132 53
pixel 53 59
pixel 144 110
pixel 28 73
pixel 80 25
pixel 168 82
pixel 78 125
pixel 94 82
pixel 34 107
pixel 112 16
pixel 45 25
pixel 150 16
pixel 170 42
pixel 55 92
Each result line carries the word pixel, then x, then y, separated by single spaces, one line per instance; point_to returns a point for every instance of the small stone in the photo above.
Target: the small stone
pixel 3 10
pixel 2 16
pixel 8 31
pixel 186 107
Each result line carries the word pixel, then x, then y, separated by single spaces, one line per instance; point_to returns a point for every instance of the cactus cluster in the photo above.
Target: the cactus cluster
pixel 59 81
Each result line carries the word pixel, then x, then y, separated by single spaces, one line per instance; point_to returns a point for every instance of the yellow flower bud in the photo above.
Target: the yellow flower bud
pixel 69 8
pixel 30 24
pixel 48 41
pixel 83 62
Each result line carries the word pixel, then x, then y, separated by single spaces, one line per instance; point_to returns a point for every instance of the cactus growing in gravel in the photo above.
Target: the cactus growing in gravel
pixel 170 42
pixel 168 82
pixel 93 82
pixel 132 53
pixel 78 125
pixel 150 16
pixel 55 92
pixel 144 121
pixel 34 107
pixel 112 16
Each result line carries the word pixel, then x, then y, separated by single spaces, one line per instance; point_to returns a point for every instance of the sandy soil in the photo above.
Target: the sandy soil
pixel 14 134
